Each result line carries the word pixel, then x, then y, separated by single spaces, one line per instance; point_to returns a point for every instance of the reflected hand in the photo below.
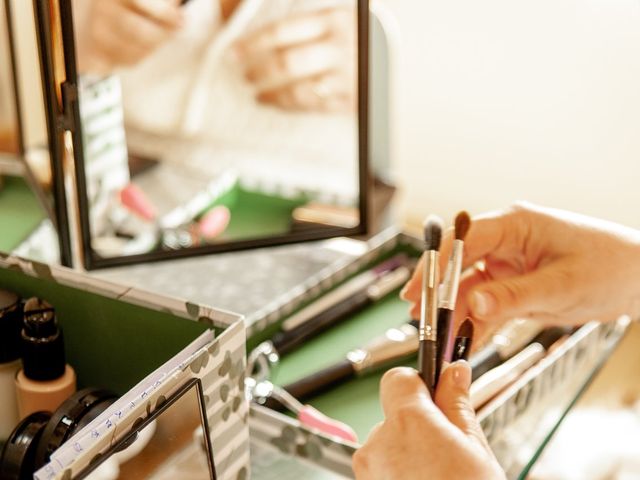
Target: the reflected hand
pixel 304 62
pixel 419 439
pixel 121 33
pixel 545 264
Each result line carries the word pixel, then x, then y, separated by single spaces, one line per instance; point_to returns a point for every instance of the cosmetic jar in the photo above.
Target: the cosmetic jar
pixel 10 362
pixel 72 416
pixel 18 454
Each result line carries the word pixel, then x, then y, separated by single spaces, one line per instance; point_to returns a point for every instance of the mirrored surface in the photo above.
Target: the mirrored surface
pixel 236 124
pixel 26 200
pixel 171 445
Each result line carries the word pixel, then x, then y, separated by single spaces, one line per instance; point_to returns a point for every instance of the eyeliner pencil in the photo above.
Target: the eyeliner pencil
pixel 396 344
pixel 428 346
pixel 289 340
pixel 450 289
pixel 344 291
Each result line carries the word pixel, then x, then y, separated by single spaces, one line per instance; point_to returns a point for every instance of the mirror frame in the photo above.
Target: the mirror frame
pixel 63 116
pixel 194 384
pixel 60 111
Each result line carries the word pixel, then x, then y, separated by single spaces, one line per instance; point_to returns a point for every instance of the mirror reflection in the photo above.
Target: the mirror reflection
pixel 171 446
pixel 26 201
pixel 216 121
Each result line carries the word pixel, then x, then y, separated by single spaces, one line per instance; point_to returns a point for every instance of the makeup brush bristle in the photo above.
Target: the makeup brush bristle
pixel 462 224
pixel 466 329
pixel 433 226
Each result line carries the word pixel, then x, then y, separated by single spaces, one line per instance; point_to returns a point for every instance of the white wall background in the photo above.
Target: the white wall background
pixel 501 100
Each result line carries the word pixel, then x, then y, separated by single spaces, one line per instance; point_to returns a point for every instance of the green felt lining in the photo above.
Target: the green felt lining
pixel 110 343
pixel 20 213
pixel 255 214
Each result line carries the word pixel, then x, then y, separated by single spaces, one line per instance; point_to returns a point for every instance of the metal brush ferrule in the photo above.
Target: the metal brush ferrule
pixel 429 298
pixel 452 279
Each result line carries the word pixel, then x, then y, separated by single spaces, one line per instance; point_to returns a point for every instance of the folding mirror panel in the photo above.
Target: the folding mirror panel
pixel 214 126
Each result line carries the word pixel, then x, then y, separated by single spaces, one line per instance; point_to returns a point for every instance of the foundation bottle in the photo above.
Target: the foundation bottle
pixel 45 380
pixel 10 363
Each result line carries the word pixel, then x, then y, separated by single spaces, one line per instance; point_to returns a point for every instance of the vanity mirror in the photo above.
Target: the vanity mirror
pixel 245 127
pixel 27 188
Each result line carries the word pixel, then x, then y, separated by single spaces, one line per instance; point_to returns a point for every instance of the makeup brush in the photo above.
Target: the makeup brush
pixel 450 289
pixel 395 345
pixel 462 343
pixel 427 333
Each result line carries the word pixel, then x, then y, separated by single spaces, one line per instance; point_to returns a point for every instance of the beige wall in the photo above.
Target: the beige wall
pixel 499 100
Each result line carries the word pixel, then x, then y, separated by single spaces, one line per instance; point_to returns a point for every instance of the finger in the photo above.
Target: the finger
pixel 401 388
pixel 375 430
pixel 452 397
pixel 282 67
pixel 495 233
pixel 114 48
pixel 360 463
pixel 284 33
pixel 165 13
pixel 413 289
pixel 325 93
pixel 542 290
pixel 137 31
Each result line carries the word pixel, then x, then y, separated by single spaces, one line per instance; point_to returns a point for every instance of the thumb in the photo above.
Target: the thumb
pixel 452 397
pixel 543 290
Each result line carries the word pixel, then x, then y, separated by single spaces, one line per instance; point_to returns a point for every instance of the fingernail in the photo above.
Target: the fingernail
pixel 462 374
pixel 481 304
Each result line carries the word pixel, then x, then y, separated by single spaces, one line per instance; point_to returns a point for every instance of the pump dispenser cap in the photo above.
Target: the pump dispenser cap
pixel 10 325
pixel 42 344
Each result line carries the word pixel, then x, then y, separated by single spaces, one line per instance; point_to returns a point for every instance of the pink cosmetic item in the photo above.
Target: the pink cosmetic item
pixel 306 414
pixel 136 201
pixel 214 222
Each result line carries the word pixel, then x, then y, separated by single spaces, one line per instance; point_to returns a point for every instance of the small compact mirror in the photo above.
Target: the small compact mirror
pixel 243 124
pixel 172 443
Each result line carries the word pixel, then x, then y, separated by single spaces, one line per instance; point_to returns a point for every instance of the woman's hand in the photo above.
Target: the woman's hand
pixel 419 439
pixel 545 264
pixel 304 62
pixel 119 33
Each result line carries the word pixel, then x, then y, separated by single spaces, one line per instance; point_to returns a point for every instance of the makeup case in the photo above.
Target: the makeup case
pixel 145 348
pixel 518 423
